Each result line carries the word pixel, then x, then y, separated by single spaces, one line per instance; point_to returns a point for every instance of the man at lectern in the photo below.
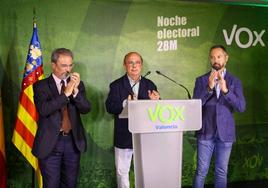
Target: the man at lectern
pixel 221 94
pixel 131 86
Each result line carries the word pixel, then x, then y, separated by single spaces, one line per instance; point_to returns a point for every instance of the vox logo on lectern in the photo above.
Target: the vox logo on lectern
pixel 166 113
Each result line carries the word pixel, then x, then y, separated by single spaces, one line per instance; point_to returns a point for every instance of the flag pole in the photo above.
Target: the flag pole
pixel 34 17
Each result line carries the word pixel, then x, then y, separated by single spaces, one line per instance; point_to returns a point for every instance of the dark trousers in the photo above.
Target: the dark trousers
pixel 60 169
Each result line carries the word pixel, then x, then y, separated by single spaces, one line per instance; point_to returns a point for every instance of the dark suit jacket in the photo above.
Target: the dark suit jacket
pixel 119 91
pixel 49 103
pixel 217 113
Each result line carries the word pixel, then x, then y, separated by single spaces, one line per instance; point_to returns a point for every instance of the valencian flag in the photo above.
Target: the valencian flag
pixel 3 174
pixel 27 116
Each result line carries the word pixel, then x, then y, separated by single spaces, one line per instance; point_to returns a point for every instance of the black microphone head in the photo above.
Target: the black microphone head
pixel 149 72
pixel 158 72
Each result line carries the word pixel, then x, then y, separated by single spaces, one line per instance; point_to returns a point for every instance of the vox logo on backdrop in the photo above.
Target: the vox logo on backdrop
pixel 244 37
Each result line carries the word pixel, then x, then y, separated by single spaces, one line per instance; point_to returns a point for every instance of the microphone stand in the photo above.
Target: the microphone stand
pixel 132 95
pixel 188 93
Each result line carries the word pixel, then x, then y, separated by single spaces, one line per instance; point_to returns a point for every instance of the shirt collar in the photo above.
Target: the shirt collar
pixel 223 73
pixel 132 81
pixel 57 80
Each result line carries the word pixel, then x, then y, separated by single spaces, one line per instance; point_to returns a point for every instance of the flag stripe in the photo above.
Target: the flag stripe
pixel 26 119
pixel 39 177
pixel 27 103
pixel 29 93
pixel 25 149
pixel 24 133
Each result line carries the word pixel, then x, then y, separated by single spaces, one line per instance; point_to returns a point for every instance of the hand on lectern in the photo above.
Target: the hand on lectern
pixel 132 97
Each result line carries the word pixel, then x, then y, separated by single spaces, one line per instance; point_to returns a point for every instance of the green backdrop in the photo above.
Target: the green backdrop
pixel 173 37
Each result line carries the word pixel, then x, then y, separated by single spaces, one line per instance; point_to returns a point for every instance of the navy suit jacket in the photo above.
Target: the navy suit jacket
pixel 119 91
pixel 217 112
pixel 49 103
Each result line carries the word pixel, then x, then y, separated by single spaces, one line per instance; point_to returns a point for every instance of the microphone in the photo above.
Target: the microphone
pixel 188 93
pixel 147 73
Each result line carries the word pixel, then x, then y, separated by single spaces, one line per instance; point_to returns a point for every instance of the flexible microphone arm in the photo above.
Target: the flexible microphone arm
pixel 188 93
pixel 147 73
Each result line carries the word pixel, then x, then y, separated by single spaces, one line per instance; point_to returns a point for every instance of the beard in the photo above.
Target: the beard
pixel 216 66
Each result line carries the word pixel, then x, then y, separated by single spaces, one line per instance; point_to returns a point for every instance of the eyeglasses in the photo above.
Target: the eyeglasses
pixel 65 65
pixel 133 63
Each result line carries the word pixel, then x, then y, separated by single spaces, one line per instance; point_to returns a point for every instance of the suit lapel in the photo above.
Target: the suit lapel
pixel 126 84
pixel 206 77
pixel 142 89
pixel 52 86
pixel 228 78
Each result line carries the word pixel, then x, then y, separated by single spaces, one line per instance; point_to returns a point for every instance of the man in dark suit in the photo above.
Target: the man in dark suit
pixel 60 136
pixel 221 94
pixel 131 86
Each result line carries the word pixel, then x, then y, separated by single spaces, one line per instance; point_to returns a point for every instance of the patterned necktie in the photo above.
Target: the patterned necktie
pixel 66 123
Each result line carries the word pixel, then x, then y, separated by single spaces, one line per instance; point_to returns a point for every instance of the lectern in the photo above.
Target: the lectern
pixel 157 131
